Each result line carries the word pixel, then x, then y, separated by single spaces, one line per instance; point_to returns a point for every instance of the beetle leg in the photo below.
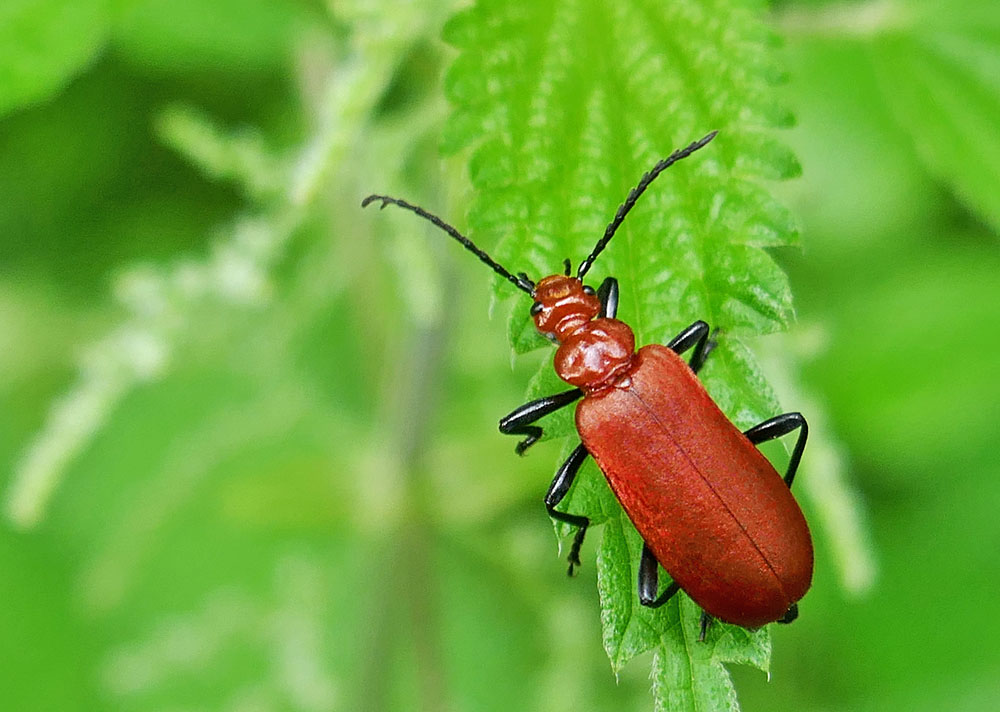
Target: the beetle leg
pixel 775 428
pixel 791 614
pixel 649 579
pixel 696 335
pixel 706 621
pixel 649 583
pixel 557 491
pixel 518 421
pixel 608 294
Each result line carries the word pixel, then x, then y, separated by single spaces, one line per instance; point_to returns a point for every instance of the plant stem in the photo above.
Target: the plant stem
pixel 406 561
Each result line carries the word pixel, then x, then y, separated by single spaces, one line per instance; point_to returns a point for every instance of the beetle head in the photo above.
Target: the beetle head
pixel 562 305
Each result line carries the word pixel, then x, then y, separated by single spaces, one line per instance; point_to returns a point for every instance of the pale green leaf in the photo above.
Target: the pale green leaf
pixel 940 73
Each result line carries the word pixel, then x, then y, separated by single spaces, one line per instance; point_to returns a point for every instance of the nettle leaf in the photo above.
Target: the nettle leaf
pixel 688 674
pixel 939 64
pixel 566 105
pixel 523 335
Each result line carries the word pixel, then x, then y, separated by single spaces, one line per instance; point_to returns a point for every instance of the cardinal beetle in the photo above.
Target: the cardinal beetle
pixel 711 509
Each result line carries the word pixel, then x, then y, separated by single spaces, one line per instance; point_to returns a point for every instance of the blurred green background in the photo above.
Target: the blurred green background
pixel 247 437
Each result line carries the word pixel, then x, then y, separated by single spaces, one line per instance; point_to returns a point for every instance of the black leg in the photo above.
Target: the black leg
pixel 775 428
pixel 649 580
pixel 695 335
pixel 791 614
pixel 557 491
pixel 518 422
pixel 608 294
pixel 649 583
pixel 706 621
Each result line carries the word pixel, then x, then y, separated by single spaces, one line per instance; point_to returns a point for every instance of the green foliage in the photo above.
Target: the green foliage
pixel 248 447
pixel 567 105
pixel 44 43
pixel 939 66
pixel 688 674
pixel 227 36
pixel 242 158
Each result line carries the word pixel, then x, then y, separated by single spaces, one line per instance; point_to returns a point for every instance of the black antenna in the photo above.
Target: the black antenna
pixel 633 196
pixel 521 281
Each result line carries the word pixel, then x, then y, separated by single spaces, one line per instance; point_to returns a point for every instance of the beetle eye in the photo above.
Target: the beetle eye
pixel 589 291
pixel 536 308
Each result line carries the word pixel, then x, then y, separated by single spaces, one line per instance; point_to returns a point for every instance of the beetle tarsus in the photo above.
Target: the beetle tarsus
pixel 574 564
pixel 557 491
pixel 706 621
pixel 534 433
pixel 574 550
pixel 791 614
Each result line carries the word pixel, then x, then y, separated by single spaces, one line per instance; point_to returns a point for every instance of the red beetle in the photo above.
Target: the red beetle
pixel 711 509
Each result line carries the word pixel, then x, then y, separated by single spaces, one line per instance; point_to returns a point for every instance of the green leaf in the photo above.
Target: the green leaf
pixel 688 674
pixel 565 105
pixel 940 73
pixel 630 629
pixel 523 335
pixel 43 44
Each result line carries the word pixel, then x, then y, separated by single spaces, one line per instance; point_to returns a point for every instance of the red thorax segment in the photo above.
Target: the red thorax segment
pixel 594 352
pixel 562 307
